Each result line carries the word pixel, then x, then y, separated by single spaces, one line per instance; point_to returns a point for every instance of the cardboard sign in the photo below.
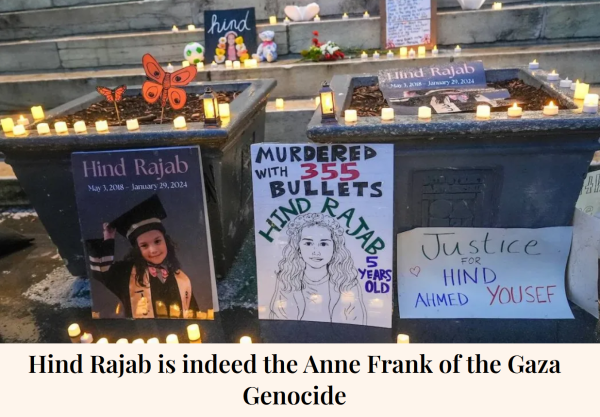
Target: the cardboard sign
pixel 589 197
pixel 229 35
pixel 408 23
pixel 144 224
pixel 483 273
pixel 323 223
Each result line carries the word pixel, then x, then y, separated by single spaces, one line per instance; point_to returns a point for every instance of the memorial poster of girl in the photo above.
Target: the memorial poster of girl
pixel 324 232
pixel 145 228
pixel 230 35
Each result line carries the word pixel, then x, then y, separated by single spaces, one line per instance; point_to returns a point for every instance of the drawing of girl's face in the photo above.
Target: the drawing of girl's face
pixel 231 39
pixel 153 246
pixel 316 246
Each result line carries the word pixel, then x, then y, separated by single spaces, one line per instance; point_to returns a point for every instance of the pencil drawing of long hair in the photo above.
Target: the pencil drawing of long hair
pixel 342 272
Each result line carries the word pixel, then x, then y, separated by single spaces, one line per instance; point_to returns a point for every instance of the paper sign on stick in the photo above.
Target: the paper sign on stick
pixel 483 273
pixel 589 197
pixel 324 241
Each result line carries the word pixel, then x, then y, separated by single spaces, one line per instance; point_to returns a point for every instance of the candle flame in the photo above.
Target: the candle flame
pixel 535 61
pixel 435 47
pixel 577 82
pixel 553 71
pixel 551 104
pixel 515 106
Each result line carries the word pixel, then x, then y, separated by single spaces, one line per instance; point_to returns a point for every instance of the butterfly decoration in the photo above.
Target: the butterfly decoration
pixel 113 96
pixel 164 85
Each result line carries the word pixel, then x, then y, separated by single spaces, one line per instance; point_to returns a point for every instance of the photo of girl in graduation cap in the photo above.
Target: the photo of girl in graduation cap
pixel 149 281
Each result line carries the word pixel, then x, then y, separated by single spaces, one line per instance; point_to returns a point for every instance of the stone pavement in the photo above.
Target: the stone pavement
pixel 39 299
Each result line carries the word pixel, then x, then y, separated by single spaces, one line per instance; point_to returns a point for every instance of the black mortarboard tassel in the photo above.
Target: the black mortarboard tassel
pixel 146 216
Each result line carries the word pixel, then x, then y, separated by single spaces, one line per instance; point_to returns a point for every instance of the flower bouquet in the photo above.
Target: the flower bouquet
pixel 318 51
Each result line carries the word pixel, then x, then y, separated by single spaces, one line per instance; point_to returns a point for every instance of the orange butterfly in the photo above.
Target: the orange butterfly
pixel 112 95
pixel 163 85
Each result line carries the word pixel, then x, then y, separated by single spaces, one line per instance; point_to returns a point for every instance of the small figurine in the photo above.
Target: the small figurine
pixel 194 53
pixel 267 50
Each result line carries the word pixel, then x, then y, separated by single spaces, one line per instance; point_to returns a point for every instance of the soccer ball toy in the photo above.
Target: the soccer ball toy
pixel 194 52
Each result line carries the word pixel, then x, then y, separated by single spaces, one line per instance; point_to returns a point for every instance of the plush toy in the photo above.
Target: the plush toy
pixel 193 53
pixel 267 50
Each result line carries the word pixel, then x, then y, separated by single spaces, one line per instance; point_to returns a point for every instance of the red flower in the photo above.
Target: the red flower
pixel 327 56
pixel 316 33
pixel 315 41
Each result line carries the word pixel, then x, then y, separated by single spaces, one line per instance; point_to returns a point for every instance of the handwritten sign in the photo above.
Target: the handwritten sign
pixel 230 35
pixel 323 223
pixel 407 23
pixel 589 197
pixel 483 273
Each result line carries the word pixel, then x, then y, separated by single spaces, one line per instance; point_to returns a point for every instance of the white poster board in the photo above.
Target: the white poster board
pixel 589 198
pixel 582 277
pixel 324 240
pixel 407 23
pixel 483 273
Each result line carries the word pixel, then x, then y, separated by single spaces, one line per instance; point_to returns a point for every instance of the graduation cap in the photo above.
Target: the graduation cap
pixel 146 216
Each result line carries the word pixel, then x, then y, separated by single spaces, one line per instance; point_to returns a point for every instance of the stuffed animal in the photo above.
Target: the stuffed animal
pixel 267 50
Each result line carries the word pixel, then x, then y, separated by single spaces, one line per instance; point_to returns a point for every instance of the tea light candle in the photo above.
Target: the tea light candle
pixel 43 128
pixel 214 65
pixel 366 15
pixel 7 125
pixel 172 339
pixel 138 342
pixel 102 341
pixel 191 27
pixel 153 341
pixel 345 16
pixel 553 76
pixel 390 54
pixel 228 64
pixel 132 124
pixel 550 110
pixel 534 65
pixel 590 103
pixel 170 68
pixel 279 104
pixel 23 120
pixel 193 331
pixel 37 112
pixel 350 116
pixel 185 64
pixel 435 51
pixel 179 122
pixel 61 128
pixel 210 314
pixel 515 111
pixel 581 90
pixel 376 55
pixel 424 112
pixel 87 338
pixel 364 55
pixel 175 29
pixel 387 113
pixel 236 65
pixel 411 53
pixel 19 130
pixel 80 127
pixel 421 51
pixel 101 126
pixel 273 20
pixel 200 66
pixel 317 18
pixel 250 63
pixel 224 111
pixel 497 6
pixel 246 340
pixel 403 52
pixel 122 341
pixel 74 330
pixel 566 83
pixel 403 338
pixel 483 111
pixel 457 50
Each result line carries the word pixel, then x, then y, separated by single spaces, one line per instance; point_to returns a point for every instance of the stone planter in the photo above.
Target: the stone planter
pixel 42 165
pixel 458 171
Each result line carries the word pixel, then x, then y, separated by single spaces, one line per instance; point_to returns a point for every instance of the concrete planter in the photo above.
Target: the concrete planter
pixel 42 165
pixel 458 171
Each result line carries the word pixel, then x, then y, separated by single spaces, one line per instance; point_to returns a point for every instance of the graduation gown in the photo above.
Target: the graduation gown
pixel 153 299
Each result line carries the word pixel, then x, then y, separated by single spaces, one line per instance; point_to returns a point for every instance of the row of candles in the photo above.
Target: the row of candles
pixel 249 63
pixel 404 52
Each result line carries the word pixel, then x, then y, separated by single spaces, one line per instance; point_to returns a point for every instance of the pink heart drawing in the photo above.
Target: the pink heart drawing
pixel 415 271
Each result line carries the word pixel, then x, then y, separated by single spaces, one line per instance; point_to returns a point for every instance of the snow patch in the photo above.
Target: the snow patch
pixel 61 289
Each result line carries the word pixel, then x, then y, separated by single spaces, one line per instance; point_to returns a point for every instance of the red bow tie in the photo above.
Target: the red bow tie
pixel 153 270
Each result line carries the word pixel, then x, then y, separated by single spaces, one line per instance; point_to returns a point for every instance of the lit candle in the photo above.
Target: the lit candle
pixel 483 111
pixel 387 113
pixel 19 130
pixel 515 111
pixel 236 65
pixel 61 128
pixel 200 66
pixel 224 110
pixel 250 63
pixel 279 104
pixel 590 103
pixel 172 339
pixel 191 27
pixel 101 126
pixel 411 53
pixel 37 112
pixel 23 120
pixel 566 83
pixel 390 54
pixel 79 127
pixel 366 15
pixel 273 20
pixel 345 16
pixel 421 51
pixel 364 55
pixel 138 342
pixel 153 341
pixel 170 68
pixel 122 341
pixel 43 128
pixel 228 64
pixel 102 341
pixel 435 51
pixel 553 76
pixel 581 90
pixel 457 50
pixel 87 338
pixel 214 65
pixel 350 116
pixel 497 6
pixel 246 340
pixel 132 124
pixel 286 21
pixel 175 29
pixel 376 55
pixel 74 330
pixel 403 338
pixel 317 18
pixel 534 65
pixel 403 52
pixel 424 112
pixel 202 315
pixel 7 125
pixel 193 331
pixel 210 314
pixel 185 64
pixel 550 110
